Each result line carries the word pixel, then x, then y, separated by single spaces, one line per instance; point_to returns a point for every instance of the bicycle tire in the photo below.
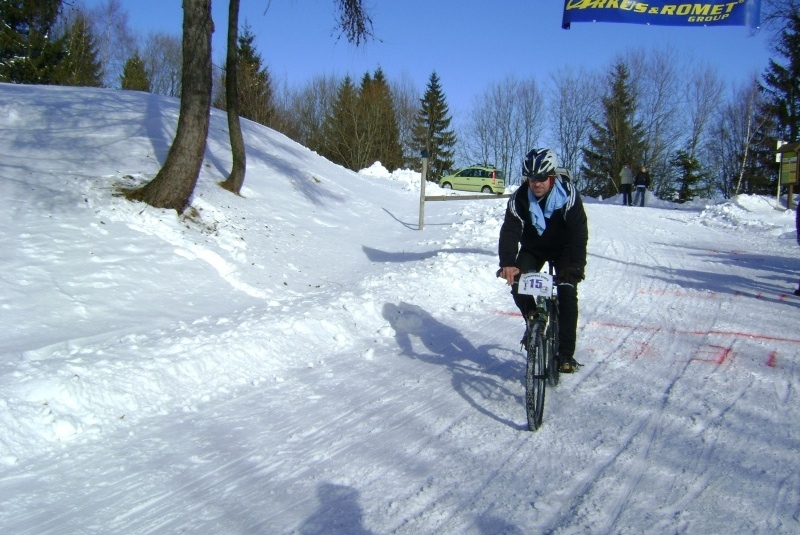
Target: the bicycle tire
pixel 535 379
pixel 553 366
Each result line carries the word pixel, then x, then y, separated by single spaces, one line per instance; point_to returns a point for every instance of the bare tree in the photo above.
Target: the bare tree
pixel 406 95
pixel 531 117
pixel 172 187
pixel 161 54
pixel 115 42
pixel 354 21
pixel 174 184
pixel 235 180
pixel 774 13
pixel 507 120
pixel 701 95
pixel 657 85
pixel 476 142
pixel 731 137
pixel 751 104
pixel 355 24
pixel 307 109
pixel 574 104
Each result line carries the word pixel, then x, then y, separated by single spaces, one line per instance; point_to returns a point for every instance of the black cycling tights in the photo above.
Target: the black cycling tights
pixel 567 315
pixel 567 305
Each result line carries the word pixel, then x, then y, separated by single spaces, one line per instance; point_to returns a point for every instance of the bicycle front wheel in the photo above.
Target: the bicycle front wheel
pixel 552 344
pixel 535 377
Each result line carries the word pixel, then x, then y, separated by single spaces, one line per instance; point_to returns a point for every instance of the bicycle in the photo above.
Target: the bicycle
pixel 540 342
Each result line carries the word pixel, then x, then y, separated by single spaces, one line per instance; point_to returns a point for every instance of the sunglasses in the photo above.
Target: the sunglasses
pixel 542 178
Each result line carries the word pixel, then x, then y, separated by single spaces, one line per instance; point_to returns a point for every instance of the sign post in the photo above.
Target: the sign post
pixel 788 170
pixel 778 158
pixel 422 189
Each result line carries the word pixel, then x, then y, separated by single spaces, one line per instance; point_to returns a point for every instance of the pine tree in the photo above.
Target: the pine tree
pixel 28 53
pixel 432 131
pixel 690 175
pixel 616 141
pixel 134 75
pixel 378 124
pixel 80 66
pixel 782 80
pixel 256 93
pixel 341 125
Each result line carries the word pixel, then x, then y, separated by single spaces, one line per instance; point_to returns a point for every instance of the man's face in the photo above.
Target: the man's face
pixel 540 188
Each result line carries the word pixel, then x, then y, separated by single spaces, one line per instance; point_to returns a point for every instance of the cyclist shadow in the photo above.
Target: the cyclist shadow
pixel 477 375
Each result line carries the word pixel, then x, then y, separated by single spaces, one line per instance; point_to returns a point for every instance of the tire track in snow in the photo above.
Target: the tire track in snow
pixel 593 497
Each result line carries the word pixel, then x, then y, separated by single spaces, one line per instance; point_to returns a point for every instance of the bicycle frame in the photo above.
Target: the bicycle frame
pixel 541 342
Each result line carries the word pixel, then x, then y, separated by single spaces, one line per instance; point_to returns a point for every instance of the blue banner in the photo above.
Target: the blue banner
pixel 674 13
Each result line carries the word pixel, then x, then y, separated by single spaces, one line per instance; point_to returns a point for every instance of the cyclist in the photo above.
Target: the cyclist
pixel 545 221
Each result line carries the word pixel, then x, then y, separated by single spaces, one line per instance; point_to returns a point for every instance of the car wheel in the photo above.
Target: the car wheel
pixel 486 189
pixel 447 185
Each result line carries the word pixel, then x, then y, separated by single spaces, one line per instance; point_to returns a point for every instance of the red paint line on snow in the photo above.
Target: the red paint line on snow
pixel 719 354
pixel 709 295
pixel 681 293
pixel 724 354
pixel 772 361
pixel 621 326
pixel 508 313
pixel 739 334
pixel 755 336
pixel 641 351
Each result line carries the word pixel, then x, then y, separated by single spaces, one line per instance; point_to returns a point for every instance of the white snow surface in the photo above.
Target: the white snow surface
pixel 303 359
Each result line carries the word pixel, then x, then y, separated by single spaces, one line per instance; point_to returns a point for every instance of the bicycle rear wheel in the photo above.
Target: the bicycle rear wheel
pixel 535 377
pixel 552 344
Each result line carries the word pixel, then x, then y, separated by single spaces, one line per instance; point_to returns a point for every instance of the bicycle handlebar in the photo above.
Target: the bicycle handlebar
pixel 555 280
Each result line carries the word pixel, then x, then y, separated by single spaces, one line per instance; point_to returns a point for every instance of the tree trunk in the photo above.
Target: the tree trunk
pixel 235 180
pixel 174 184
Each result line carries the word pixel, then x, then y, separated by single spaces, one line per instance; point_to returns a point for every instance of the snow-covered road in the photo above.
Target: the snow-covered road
pixel 339 371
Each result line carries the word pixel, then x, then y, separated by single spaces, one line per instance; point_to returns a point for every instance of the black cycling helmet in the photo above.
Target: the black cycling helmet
pixel 539 162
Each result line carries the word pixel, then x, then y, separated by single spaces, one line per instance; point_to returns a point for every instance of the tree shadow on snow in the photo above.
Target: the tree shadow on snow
pixel 415 225
pixel 376 255
pixel 774 277
pixel 338 513
pixel 477 375
pixel 494 525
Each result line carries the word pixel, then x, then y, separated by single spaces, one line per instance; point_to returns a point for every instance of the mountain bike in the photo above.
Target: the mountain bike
pixel 540 342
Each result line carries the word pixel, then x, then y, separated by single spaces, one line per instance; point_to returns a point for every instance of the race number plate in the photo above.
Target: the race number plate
pixel 536 284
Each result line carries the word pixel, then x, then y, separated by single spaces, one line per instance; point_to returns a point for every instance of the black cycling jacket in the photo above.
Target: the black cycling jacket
pixel 565 237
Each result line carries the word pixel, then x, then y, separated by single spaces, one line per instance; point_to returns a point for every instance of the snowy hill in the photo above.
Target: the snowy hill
pixel 303 359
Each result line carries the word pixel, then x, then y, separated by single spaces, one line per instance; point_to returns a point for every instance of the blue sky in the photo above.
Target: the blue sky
pixel 469 43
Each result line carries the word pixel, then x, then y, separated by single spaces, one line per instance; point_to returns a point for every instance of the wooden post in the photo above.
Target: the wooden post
pixel 422 189
pixel 779 161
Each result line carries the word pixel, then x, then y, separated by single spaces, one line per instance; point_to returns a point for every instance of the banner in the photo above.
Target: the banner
pixel 661 13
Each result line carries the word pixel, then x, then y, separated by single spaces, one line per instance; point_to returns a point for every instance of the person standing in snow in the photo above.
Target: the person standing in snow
pixel 626 184
pixel 642 182
pixel 545 221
